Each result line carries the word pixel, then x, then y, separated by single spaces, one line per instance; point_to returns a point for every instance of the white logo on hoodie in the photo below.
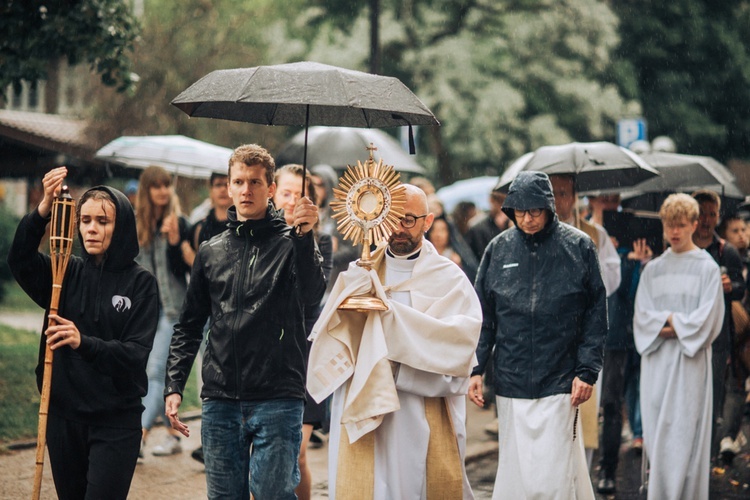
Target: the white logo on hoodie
pixel 120 303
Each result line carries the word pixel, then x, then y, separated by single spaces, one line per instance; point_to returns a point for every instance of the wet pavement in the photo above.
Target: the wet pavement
pixel 181 477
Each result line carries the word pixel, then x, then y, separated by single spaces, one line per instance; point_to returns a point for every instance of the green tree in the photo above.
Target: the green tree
pixel 503 78
pixel 37 34
pixel 182 42
pixel 690 62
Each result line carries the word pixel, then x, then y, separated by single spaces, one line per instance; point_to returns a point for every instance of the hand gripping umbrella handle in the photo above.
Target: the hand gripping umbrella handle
pixel 61 246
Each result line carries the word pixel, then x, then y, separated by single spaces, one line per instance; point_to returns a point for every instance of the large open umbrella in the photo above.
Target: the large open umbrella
pixel 681 173
pixel 342 146
pixel 305 94
pixel 175 153
pixel 595 165
pixel 686 173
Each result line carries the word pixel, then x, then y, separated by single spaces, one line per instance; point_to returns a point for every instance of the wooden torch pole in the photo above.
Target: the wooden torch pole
pixel 61 246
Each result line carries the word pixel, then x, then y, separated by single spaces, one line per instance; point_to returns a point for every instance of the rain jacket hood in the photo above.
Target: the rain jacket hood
pixel 529 190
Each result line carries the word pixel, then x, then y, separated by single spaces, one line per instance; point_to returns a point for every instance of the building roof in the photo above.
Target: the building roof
pixel 51 132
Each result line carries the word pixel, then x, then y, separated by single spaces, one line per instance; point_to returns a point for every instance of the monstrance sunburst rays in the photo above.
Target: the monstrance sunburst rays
pixel 368 202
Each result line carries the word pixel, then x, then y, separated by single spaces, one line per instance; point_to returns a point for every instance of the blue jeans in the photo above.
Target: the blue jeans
pixel 274 430
pixel 156 370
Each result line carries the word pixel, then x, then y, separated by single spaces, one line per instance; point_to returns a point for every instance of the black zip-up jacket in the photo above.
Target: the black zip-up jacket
pixel 115 306
pixel 254 281
pixel 543 301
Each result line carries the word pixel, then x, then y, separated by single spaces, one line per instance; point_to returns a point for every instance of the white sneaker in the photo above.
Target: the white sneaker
pixel 170 446
pixel 728 449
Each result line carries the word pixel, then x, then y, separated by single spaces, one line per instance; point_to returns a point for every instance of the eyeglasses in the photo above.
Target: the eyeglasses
pixel 218 185
pixel 533 212
pixel 408 221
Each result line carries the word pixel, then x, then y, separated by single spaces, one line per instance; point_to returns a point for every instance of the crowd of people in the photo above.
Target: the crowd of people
pixel 532 309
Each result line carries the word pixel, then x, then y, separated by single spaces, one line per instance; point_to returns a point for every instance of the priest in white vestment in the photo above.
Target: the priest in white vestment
pixel 679 311
pixel 399 378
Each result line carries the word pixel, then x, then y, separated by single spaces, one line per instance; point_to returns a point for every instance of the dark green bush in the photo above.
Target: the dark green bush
pixel 8 224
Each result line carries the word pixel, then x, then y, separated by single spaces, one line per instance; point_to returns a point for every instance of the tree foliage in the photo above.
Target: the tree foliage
pixel 38 33
pixel 503 78
pixel 182 42
pixel 691 65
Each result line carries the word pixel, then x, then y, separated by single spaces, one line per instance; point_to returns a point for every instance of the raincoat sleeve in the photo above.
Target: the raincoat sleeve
pixel 188 332
pixel 487 336
pixel 594 322
pixel 31 268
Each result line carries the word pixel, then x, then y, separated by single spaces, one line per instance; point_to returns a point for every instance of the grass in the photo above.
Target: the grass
pixel 15 299
pixel 19 397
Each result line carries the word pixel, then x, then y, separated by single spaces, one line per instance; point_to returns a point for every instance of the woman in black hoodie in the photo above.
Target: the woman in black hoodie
pixel 106 322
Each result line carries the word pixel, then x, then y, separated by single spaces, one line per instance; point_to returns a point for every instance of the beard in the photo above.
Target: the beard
pixel 403 246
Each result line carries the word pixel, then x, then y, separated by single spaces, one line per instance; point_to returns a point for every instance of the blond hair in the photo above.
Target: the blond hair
pixel 145 213
pixel 677 207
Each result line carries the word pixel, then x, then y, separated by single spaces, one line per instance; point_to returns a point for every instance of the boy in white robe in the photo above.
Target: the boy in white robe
pixel 679 311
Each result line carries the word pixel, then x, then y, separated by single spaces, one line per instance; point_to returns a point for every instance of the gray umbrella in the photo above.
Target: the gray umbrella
pixel 304 94
pixel 342 146
pixel 686 173
pixel 595 165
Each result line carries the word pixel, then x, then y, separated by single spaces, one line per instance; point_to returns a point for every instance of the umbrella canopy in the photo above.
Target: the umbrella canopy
pixel 342 146
pixel 302 94
pixel 476 190
pixel 175 153
pixel 595 165
pixel 686 173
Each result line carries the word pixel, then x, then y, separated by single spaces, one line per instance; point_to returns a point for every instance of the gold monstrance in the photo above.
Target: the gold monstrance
pixel 368 205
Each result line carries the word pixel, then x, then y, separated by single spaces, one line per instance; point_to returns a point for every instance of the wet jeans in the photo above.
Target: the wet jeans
pixel 274 430
pixel 156 369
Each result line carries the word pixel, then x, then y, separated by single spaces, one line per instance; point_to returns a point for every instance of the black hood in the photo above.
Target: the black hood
pixel 529 190
pixel 124 248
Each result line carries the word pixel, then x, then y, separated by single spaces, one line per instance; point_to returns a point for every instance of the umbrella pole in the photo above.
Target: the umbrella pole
pixel 304 156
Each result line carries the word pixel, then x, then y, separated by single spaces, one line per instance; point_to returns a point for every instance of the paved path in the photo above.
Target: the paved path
pixel 181 477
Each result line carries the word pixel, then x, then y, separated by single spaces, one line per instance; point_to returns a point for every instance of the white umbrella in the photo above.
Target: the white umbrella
pixel 476 190
pixel 342 146
pixel 177 154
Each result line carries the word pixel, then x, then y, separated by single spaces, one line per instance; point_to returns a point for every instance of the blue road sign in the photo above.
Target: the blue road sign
pixel 631 130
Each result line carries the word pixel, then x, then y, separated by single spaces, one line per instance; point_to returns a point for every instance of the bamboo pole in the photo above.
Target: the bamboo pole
pixel 61 246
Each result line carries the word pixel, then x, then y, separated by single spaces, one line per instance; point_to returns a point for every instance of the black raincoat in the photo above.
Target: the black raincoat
pixel 543 301
pixel 254 281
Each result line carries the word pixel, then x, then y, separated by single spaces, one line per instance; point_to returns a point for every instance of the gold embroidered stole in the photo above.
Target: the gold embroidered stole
pixel 355 477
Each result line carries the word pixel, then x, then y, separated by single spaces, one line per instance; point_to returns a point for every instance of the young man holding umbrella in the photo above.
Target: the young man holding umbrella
pixel 254 282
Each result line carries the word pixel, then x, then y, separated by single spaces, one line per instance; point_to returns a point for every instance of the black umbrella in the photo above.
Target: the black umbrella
pixel 686 173
pixel 342 146
pixel 304 94
pixel 595 165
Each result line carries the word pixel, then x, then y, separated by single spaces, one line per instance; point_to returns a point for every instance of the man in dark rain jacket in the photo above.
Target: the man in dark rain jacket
pixel 254 281
pixel 545 317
